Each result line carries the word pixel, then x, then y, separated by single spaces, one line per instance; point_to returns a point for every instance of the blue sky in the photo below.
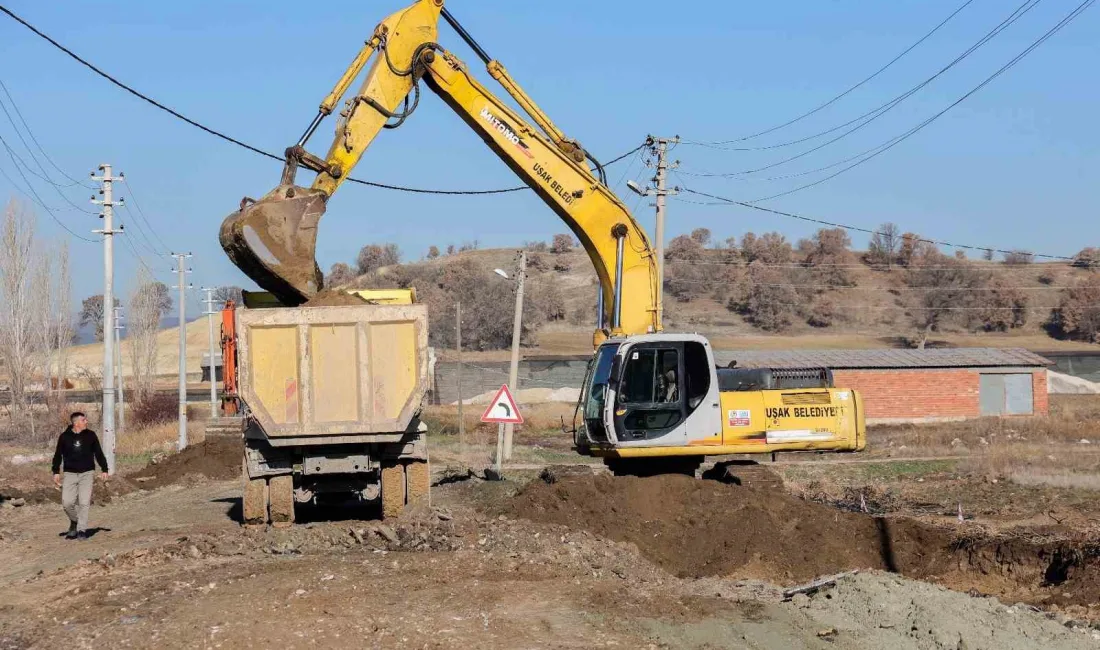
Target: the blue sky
pixel 1014 166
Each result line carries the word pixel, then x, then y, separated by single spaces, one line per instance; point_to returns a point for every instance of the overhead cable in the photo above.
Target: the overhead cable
pixel 240 143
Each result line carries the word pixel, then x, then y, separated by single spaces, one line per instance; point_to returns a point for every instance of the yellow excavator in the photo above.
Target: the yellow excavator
pixel 652 401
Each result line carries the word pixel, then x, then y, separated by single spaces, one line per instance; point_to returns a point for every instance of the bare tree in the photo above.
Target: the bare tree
pixel 61 313
pixel 228 292
pixel 91 313
pixel 24 275
pixel 883 248
pixel 144 313
pixel 373 256
pixel 701 236
pixel 563 243
pixel 339 275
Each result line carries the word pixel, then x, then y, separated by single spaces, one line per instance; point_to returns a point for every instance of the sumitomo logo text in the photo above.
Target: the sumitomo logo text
pixel 504 129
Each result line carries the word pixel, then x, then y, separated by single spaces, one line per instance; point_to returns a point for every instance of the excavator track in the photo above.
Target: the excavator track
pixel 746 473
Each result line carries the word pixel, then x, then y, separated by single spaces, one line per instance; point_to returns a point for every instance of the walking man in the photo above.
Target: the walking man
pixel 78 450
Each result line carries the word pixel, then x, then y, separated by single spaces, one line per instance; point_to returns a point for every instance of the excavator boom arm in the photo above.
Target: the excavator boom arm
pixel 405 52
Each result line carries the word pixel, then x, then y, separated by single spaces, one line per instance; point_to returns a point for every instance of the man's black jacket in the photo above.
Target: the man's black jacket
pixel 78 451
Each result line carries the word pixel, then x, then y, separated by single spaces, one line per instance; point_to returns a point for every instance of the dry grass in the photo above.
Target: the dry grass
pixel 1072 418
pixel 149 439
pixel 538 418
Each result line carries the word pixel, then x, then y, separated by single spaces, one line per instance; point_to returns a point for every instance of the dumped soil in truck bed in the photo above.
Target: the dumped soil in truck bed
pixel 334 298
pixel 216 458
pixel 697 528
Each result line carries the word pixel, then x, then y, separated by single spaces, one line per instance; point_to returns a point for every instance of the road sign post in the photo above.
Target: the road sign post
pixel 502 410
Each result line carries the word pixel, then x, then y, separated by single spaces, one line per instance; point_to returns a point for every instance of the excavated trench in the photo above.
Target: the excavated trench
pixel 697 528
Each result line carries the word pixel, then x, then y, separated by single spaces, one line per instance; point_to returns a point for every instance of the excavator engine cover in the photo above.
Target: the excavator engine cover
pixel 274 241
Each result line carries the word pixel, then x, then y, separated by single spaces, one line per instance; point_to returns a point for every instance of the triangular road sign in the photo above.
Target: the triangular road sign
pixel 502 409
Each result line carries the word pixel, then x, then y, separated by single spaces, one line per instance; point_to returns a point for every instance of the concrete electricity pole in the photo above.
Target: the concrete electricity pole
pixel 517 328
pixel 183 287
pixel 118 365
pixel 213 377
pixel 458 379
pixel 659 147
pixel 108 231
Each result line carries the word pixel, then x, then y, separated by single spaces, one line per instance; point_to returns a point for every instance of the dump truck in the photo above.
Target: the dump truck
pixel 329 400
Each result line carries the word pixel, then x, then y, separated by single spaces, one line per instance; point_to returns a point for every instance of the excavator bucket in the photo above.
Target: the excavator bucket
pixel 274 241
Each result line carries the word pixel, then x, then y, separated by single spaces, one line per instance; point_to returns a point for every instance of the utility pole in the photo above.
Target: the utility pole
pixel 659 147
pixel 458 380
pixel 213 378
pixel 108 231
pixel 118 364
pixel 517 328
pixel 183 287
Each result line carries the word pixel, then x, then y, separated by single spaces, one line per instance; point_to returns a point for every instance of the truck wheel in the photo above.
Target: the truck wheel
pixel 418 482
pixel 393 489
pixel 253 500
pixel 280 492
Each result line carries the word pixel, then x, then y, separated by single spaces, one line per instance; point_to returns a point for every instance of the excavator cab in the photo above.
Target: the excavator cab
pixel 649 390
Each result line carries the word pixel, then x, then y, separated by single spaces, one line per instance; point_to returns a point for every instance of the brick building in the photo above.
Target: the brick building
pixel 923 385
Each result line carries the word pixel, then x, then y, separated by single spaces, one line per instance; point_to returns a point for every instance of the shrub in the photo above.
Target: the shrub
pixel 563 243
pixel 1019 258
pixel 1087 258
pixel 339 275
pixel 701 236
pixel 685 277
pixel 433 252
pixel 1077 315
pixel 154 408
pixel 769 302
pixel 827 253
pixel 373 257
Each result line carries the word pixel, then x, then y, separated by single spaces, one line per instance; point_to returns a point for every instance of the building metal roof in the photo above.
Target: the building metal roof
pixel 883 359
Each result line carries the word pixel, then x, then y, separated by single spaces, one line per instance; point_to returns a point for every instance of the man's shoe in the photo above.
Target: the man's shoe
pixel 72 532
pixel 81 535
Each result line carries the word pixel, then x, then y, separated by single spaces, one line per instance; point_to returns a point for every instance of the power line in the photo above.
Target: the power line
pixel 141 213
pixel 881 148
pixel 890 144
pixel 745 204
pixel 33 195
pixel 18 161
pixel 240 143
pixel 790 285
pixel 846 92
pixel 985 266
pixel 34 139
pixel 882 109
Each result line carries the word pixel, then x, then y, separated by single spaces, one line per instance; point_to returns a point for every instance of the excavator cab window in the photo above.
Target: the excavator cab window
pixel 650 394
pixel 600 373
pixel 697 371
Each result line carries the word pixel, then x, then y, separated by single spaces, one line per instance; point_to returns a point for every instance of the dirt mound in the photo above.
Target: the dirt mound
pixel 334 298
pixel 215 458
pixel 696 528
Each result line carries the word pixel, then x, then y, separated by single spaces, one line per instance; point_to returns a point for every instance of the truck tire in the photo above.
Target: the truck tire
pixel 280 495
pixel 418 483
pixel 393 489
pixel 253 499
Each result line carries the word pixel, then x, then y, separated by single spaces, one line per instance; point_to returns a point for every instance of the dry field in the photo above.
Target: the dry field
pixel 573 557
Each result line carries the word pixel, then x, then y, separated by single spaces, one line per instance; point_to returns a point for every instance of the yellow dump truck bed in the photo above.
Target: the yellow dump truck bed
pixel 333 371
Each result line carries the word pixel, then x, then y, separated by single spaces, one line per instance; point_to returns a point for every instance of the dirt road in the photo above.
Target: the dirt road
pixel 485 567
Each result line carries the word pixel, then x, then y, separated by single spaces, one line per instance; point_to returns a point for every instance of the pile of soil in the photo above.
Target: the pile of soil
pixel 696 528
pixel 216 458
pixel 334 298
